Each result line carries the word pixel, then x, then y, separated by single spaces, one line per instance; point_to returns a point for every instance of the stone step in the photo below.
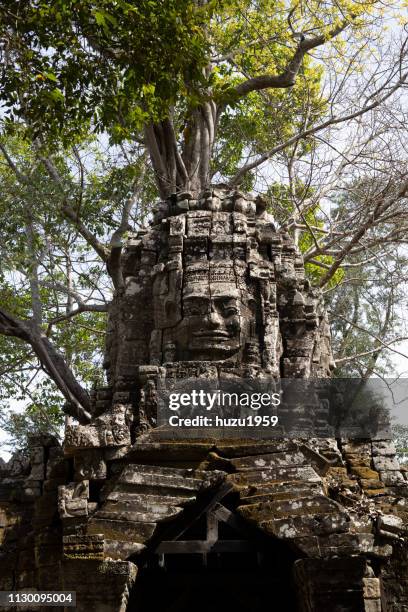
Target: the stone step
pixel 160 508
pixel 135 517
pixel 172 450
pixel 302 506
pixel 122 531
pixel 278 492
pixel 122 550
pixel 237 449
pixel 270 460
pixel 346 543
pixel 282 474
pixel 298 526
pixel 146 500
pixel 159 480
pixel 159 489
pixel 160 469
pixel 143 513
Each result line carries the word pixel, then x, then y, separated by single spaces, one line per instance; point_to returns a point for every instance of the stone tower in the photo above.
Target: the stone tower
pixel 127 517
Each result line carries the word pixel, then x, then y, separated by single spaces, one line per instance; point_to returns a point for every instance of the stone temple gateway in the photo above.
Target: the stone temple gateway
pixel 135 520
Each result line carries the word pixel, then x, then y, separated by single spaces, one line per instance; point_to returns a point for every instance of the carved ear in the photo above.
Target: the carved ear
pixel 170 309
pixel 252 305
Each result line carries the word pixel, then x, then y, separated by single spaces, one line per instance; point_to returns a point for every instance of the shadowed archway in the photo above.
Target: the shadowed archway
pixel 213 561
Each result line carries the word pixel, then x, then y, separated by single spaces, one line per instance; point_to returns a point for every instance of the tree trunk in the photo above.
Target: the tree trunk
pixel 188 170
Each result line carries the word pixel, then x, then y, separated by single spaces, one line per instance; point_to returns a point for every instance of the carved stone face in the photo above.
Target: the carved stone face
pixel 214 323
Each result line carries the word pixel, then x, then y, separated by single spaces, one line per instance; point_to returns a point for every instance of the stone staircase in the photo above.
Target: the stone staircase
pixel 139 499
pixel 284 496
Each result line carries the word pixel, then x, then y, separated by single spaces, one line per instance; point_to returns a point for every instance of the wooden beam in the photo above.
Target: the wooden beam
pixel 191 547
pixel 212 527
pixel 191 515
pixel 233 520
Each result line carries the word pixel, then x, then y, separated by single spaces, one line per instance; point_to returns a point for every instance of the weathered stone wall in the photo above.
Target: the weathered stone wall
pixel 30 530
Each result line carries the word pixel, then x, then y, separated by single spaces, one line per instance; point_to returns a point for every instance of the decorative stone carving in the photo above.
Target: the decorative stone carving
pixel 213 281
pixel 73 499
pixel 110 429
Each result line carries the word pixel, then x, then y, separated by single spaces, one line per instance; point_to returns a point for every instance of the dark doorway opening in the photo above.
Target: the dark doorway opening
pixel 219 565
pixel 220 582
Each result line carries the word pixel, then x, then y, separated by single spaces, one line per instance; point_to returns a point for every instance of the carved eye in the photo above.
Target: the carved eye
pixel 229 311
pixel 228 307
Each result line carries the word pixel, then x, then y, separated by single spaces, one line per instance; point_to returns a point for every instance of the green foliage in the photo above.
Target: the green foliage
pixel 358 310
pixel 29 401
pixel 366 304
pixel 258 123
pixel 70 66
pixel 34 413
pixel 116 63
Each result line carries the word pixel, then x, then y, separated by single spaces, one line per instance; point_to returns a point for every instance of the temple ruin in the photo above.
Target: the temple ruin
pixel 134 520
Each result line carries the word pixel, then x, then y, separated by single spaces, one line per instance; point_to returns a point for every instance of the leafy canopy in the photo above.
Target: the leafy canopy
pixel 118 64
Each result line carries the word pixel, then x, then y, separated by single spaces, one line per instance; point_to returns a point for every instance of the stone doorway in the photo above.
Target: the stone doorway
pixel 216 564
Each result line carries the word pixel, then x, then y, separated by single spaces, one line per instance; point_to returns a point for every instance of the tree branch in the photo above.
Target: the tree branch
pixel 371 351
pixel 157 161
pixel 67 211
pixel 380 208
pixel 71 215
pixel 236 180
pixel 377 338
pixel 76 311
pixel 33 265
pixel 52 362
pixel 288 76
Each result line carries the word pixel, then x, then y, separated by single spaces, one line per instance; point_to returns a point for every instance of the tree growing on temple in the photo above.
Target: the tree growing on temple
pixel 108 105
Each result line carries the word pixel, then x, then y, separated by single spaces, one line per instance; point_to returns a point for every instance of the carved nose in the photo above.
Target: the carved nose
pixel 214 319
